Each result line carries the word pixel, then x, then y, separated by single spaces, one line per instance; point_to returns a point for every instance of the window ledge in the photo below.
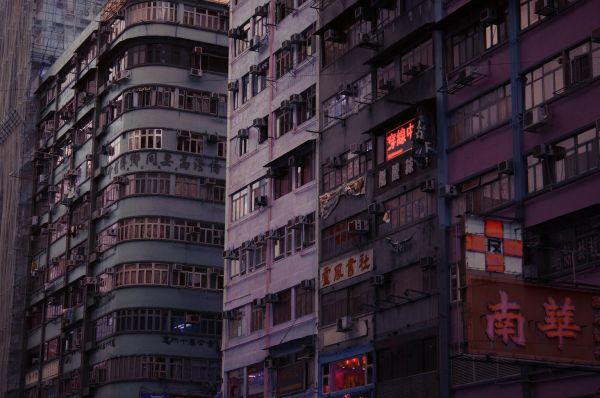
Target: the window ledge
pixel 306 187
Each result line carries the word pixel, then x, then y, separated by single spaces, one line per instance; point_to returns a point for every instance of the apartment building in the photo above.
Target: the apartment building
pixel 458 233
pixel 269 337
pixel 127 231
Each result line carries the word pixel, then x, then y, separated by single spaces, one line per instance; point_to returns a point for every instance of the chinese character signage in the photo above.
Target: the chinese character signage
pixel 346 268
pixel 508 318
pixel 399 140
pixel 493 245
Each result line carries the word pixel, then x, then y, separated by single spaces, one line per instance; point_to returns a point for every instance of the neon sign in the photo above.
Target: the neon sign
pixel 399 140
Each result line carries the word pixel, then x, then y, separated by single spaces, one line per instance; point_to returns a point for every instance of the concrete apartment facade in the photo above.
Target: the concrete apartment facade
pixel 127 229
pixel 33 36
pixel 458 208
pixel 271 258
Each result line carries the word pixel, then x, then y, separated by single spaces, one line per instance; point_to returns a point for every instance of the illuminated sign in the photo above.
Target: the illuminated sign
pixel 399 140
pixel 346 268
pixel 493 245
pixel 509 318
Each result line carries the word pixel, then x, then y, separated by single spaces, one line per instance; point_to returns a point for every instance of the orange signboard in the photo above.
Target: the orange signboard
pixel 509 318
pixel 346 268
pixel 399 140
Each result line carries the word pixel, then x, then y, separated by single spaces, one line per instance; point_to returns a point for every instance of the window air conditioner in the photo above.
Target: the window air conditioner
pixel 344 324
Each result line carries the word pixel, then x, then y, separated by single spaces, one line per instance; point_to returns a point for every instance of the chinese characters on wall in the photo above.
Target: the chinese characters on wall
pixel 346 268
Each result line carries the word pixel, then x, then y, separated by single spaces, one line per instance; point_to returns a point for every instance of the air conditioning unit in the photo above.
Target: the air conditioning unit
pixel 428 185
pixel 68 315
pixel 505 167
pixel 307 284
pixel 259 302
pixel 271 298
pixel 230 255
pixel 260 239
pixel 107 150
pixel 122 75
pixel 368 41
pixel 272 234
pixel 72 173
pixel 196 72
pixel 286 45
pixel 261 201
pixel 236 33
pixel 259 122
pixel 43 178
pixel 375 208
pixel 296 38
pixel 35 220
pixel 545 151
pixel 358 226
pixel 212 138
pixel 465 76
pixel 233 86
pixel 534 118
pixel 231 314
pixel 120 180
pixel 243 134
pixel 546 7
pixel 347 89
pixel 78 258
pixel 357 148
pixel 255 43
pixel 344 324
pixel 333 36
pixel 377 280
pixel 89 281
pixel 285 104
pixel 112 232
pixel 256 70
pixel 262 11
pixel 488 16
pixel 448 191
pixel 296 99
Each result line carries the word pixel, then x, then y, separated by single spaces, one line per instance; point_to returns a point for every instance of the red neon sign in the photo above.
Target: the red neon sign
pixel 399 140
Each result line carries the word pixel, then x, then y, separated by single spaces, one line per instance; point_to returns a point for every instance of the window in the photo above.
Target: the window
pixel 528 15
pixel 279 243
pixel 196 277
pixel 480 115
pixel 144 139
pixel 259 81
pixel 242 43
pixel 418 59
pixel 222 149
pixel 190 142
pixel 242 145
pixel 307 108
pixel 305 232
pixel 51 349
pixel 305 302
pixel 235 325
pixel 239 204
pixel 284 122
pixel 104 327
pixel 257 318
pixel 348 373
pixel 203 18
pixel 304 170
pixel 406 209
pixel 306 48
pixel 148 184
pixel 352 166
pixel 141 274
pixel 543 83
pixel 151 11
pixel 351 99
pixel 246 88
pixel 258 190
pixel 283 62
pixel 282 183
pixel 260 25
pixel 491 190
pixel 352 36
pixel 283 9
pixel 282 308
pixel 572 157
pixel 465 45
